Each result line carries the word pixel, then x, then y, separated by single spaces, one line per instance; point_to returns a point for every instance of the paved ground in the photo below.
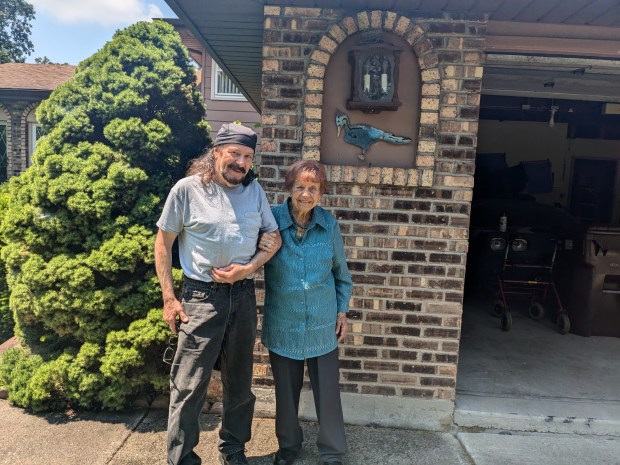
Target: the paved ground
pixel 560 392
pixel 138 438
pixel 533 378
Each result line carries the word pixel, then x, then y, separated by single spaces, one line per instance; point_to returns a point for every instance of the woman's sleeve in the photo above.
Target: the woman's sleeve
pixel 342 277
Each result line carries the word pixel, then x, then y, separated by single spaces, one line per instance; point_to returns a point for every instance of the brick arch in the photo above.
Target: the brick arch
pixel 23 117
pixel 5 110
pixel 415 35
pixel 28 109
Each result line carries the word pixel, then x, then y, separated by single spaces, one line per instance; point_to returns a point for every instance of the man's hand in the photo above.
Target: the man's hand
pixel 237 272
pixel 232 273
pixel 173 311
pixel 174 314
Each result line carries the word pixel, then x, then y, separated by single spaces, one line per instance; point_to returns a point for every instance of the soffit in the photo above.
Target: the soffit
pixel 232 30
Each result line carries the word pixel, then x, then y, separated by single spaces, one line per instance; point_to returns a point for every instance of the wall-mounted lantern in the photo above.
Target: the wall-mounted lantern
pixel 374 77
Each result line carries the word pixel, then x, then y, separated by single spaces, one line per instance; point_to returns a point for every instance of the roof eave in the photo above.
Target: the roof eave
pixel 178 10
pixel 21 94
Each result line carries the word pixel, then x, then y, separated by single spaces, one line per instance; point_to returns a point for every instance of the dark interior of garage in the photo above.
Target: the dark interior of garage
pixel 548 169
pixel 545 218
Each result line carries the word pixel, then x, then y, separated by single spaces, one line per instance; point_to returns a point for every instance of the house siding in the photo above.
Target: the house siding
pixel 221 111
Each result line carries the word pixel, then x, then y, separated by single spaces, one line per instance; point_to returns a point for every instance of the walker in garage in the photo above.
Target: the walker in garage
pixel 527 274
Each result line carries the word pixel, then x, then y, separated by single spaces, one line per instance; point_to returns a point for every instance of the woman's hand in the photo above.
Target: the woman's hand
pixel 342 327
pixel 268 241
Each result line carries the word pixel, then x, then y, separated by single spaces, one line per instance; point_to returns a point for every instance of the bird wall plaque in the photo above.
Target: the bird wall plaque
pixel 364 135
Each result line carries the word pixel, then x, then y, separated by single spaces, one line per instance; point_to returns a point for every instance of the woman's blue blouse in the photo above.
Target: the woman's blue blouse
pixel 307 283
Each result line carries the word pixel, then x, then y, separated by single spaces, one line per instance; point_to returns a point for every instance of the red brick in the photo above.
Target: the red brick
pixel 405 331
pixel 400 355
pixel 356 376
pixel 384 317
pixel 420 393
pixel 379 390
pixel 444 382
pixel 376 365
pixel 425 369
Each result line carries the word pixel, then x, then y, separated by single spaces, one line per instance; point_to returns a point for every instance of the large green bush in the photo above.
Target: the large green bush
pixel 80 225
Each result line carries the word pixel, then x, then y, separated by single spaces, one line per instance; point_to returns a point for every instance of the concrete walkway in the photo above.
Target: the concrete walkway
pixel 138 438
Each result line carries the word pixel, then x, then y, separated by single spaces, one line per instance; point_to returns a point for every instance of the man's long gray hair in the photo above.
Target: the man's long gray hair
pixel 203 166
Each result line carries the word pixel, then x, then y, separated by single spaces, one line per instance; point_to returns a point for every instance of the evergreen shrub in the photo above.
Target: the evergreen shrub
pixel 80 225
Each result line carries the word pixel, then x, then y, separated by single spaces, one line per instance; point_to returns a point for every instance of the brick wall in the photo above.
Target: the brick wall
pixel 405 230
pixel 17 135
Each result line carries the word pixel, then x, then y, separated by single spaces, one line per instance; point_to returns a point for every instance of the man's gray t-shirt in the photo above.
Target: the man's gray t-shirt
pixel 216 225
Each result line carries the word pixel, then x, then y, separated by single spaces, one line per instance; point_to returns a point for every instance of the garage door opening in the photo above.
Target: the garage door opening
pixel 547 173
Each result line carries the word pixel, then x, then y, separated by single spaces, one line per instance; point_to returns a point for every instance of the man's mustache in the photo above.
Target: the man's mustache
pixel 239 169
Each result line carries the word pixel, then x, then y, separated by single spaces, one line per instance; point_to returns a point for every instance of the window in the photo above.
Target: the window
pixel 222 87
pixel 35 131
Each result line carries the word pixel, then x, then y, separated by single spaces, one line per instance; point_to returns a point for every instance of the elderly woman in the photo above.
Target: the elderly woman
pixel 308 287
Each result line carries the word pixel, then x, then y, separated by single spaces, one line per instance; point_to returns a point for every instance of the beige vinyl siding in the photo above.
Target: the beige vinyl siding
pixel 225 111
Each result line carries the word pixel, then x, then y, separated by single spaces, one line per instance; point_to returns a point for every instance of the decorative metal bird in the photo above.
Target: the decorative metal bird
pixel 364 135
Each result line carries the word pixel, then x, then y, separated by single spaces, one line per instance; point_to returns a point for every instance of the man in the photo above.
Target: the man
pixel 217 212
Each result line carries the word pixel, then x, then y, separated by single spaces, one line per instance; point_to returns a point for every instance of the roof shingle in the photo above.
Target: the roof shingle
pixel 27 76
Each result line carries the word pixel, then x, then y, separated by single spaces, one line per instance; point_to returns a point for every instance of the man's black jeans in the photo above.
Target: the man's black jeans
pixel 222 321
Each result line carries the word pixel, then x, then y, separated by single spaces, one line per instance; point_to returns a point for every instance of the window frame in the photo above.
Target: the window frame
pixel 216 72
pixel 34 134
